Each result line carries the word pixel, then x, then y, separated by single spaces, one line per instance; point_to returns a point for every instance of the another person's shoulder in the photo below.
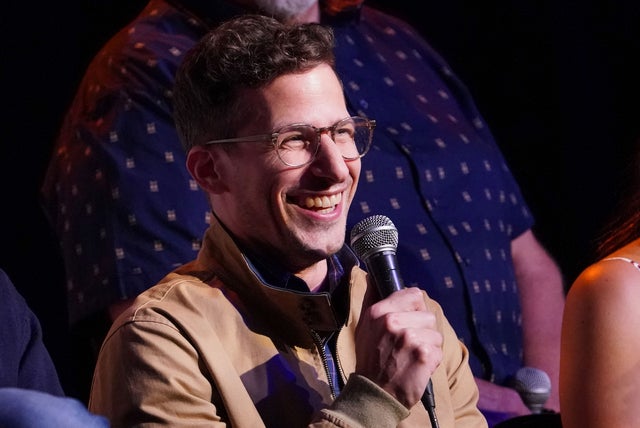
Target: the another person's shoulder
pixel 372 13
pixel 11 301
pixel 613 280
pixel 158 35
pixel 7 289
pixel 399 32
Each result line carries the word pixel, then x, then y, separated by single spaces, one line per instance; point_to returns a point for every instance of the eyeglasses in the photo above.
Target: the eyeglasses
pixel 297 144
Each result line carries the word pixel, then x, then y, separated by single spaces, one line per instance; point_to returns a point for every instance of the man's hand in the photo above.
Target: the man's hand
pixel 398 346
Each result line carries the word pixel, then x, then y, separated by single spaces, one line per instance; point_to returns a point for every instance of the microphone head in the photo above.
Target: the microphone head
pixel 534 387
pixel 372 235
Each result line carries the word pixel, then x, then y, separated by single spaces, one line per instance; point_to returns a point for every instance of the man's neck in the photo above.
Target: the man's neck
pixel 314 275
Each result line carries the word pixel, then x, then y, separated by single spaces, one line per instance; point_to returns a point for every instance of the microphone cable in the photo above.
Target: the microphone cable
pixel 429 402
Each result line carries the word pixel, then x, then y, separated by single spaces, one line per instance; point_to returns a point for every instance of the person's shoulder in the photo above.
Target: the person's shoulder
pixel 11 301
pixel 156 35
pixel 613 280
pixel 401 30
pixel 174 286
pixel 6 285
pixel 179 294
pixel 383 18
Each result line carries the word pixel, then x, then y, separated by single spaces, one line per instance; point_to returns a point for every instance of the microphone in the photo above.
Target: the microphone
pixel 375 240
pixel 534 387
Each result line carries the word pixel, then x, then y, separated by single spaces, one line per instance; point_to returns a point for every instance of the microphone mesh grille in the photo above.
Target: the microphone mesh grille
pixel 374 234
pixel 534 387
pixel 530 379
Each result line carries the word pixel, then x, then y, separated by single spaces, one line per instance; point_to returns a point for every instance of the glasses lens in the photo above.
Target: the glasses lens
pixel 296 144
pixel 352 136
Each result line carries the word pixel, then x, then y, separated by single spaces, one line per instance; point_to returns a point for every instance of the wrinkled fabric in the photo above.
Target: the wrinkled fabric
pixel 213 345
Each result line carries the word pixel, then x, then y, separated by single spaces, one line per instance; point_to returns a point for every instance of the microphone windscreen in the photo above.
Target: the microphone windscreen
pixel 374 234
pixel 534 387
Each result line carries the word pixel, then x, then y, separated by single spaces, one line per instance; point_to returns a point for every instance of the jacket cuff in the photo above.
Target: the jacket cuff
pixel 363 403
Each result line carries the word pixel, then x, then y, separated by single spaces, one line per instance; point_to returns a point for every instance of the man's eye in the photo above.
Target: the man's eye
pixel 344 132
pixel 295 141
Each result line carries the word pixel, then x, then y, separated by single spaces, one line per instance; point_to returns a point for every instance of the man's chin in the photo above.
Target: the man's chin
pixel 322 250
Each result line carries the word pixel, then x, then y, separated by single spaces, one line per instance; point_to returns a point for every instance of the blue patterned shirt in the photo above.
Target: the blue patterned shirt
pixel 126 210
pixel 437 173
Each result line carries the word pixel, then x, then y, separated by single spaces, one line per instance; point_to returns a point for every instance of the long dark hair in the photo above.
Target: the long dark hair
pixel 624 225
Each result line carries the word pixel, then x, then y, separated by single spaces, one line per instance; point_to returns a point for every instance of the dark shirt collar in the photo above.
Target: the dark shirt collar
pixel 276 276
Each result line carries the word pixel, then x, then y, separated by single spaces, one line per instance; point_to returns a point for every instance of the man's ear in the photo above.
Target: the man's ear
pixel 204 165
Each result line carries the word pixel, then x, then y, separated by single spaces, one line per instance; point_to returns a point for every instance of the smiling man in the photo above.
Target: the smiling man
pixel 289 205
pixel 274 324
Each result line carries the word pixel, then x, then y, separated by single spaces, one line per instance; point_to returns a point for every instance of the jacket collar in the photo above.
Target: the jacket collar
pixel 221 264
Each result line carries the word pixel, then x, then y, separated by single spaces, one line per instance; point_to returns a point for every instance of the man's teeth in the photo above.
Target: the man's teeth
pixel 323 201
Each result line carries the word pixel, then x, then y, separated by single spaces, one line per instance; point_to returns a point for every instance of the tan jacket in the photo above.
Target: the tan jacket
pixel 211 345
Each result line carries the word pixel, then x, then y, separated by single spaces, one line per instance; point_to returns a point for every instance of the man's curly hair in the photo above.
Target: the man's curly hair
pixel 246 52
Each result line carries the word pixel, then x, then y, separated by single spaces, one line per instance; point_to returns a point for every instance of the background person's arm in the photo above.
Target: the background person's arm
pixel 542 298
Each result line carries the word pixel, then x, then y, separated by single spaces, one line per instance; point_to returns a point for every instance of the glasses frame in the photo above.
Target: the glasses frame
pixel 273 138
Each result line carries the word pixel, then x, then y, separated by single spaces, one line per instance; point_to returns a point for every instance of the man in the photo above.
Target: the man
pixel 274 324
pixel 434 169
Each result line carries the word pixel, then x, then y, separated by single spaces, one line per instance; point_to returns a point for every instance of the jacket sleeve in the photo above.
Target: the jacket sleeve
pixel 362 404
pixel 147 374
pixel 455 389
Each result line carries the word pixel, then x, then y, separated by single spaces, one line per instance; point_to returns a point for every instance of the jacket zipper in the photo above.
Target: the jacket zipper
pixel 323 355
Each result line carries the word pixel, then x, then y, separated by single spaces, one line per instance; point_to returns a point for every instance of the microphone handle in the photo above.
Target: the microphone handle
pixel 386 276
pixel 383 267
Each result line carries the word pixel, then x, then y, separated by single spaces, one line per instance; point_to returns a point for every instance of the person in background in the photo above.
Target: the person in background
pixel 30 392
pixel 274 324
pixel 126 211
pixel 600 354
pixel 24 360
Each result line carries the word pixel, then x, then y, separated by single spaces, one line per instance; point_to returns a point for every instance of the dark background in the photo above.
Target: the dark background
pixel 558 83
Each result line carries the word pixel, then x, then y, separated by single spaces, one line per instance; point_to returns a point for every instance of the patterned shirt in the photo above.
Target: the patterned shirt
pixel 126 210
pixel 437 173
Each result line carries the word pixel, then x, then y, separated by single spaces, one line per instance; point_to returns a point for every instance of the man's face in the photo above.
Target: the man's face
pixel 296 216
